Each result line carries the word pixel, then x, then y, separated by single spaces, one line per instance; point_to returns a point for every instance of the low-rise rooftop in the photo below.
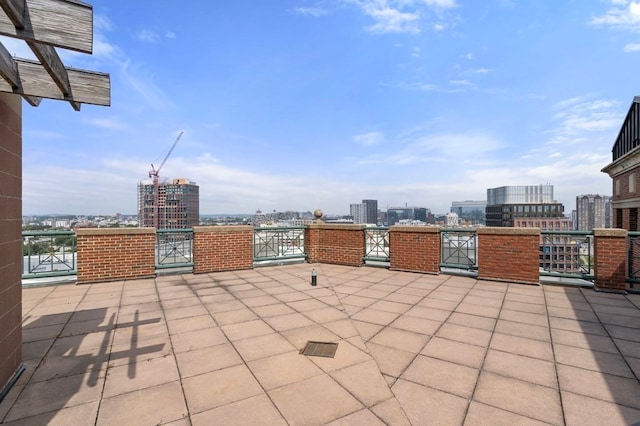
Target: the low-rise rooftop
pixel 224 348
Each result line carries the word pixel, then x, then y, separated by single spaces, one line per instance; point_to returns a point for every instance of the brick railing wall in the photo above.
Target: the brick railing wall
pixel 337 244
pixel 509 254
pixel 222 248
pixel 415 248
pixel 107 254
pixel 10 236
pixel 610 253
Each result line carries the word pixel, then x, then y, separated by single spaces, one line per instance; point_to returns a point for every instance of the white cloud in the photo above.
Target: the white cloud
pixel 623 15
pixel 369 139
pixel 108 123
pixel 148 36
pixel 310 11
pixel 632 47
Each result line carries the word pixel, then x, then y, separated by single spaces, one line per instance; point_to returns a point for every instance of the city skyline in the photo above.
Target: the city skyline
pixel 315 104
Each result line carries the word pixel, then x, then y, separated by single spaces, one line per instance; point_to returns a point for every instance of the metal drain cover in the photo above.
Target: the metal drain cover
pixel 325 349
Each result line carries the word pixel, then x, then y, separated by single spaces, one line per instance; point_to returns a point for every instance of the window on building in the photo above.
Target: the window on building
pixel 632 183
pixel 617 185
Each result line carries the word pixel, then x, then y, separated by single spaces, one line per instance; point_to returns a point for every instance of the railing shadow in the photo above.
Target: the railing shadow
pixel 78 358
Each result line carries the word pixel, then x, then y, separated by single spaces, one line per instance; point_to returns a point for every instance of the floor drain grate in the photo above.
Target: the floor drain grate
pixel 325 349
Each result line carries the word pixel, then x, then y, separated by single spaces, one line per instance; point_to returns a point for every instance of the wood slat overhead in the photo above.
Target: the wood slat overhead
pixel 44 24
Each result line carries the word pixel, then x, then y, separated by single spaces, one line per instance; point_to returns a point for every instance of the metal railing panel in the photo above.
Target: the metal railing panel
pixel 459 248
pixel 174 248
pixel 376 245
pixel 567 254
pixel 48 253
pixel 278 243
pixel 633 257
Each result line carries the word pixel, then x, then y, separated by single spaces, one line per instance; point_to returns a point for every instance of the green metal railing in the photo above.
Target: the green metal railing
pixel 633 258
pixel 376 245
pixel 48 253
pixel 459 248
pixel 567 254
pixel 174 248
pixel 278 243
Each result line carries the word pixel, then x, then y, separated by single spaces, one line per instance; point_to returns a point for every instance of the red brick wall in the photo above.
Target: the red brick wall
pixel 335 244
pixel 415 248
pixel 610 252
pixel 108 254
pixel 509 254
pixel 10 236
pixel 222 248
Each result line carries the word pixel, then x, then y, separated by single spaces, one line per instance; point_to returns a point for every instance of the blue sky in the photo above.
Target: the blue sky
pixel 305 104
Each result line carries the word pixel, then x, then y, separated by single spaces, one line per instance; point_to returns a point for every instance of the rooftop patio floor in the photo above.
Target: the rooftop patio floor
pixel 223 348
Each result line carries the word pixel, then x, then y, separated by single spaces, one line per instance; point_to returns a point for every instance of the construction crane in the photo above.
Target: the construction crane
pixel 154 174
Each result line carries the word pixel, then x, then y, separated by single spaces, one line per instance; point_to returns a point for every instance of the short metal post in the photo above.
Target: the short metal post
pixel 314 278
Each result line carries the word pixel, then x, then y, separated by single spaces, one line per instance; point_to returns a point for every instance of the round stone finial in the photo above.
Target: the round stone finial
pixel 318 214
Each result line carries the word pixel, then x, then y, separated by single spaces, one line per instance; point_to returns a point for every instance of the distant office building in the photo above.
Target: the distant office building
pixel 396 214
pixel 470 211
pixel 372 211
pixel 508 203
pixel 178 204
pixel 593 211
pixel 358 212
pixel 624 171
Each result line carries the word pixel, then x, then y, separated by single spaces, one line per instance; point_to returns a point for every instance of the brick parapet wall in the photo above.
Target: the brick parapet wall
pixel 334 244
pixel 109 254
pixel 610 253
pixel 415 248
pixel 222 248
pixel 10 236
pixel 509 254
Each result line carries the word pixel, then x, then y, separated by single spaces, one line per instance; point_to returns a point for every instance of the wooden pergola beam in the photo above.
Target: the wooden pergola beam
pixel 9 71
pixel 62 23
pixel 87 87
pixel 53 64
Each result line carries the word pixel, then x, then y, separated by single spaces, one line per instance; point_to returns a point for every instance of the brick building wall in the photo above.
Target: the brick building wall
pixel 415 248
pixel 610 252
pixel 509 254
pixel 334 244
pixel 222 248
pixel 108 254
pixel 10 236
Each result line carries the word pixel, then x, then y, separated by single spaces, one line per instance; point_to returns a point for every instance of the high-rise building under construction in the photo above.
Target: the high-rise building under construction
pixel 178 204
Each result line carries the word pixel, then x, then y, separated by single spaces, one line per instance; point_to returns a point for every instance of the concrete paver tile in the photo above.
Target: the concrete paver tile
pixel 266 311
pixel 79 414
pixel 342 327
pixel 366 330
pixel 524 317
pixel 479 310
pixel 234 317
pixel 36 350
pixel 220 387
pixel 525 307
pixel 326 314
pixel 409 299
pixel 626 333
pixel 365 382
pixel 263 346
pixel 359 418
pixel 606 387
pixel 134 351
pixel 255 411
pixel 85 344
pixel 416 324
pixel 391 361
pixel 391 412
pixel 435 303
pixel 592 360
pixel 307 305
pixel 581 410
pixel 196 339
pixel 69 365
pixel 254 302
pixel 288 321
pixel 442 375
pixel 473 336
pixel 585 341
pixel 317 400
pixel 530 370
pixel 424 405
pixel 483 415
pixel 628 348
pixel 401 339
pixel 526 331
pixel 204 360
pixel 155 405
pixel 43 397
pixel 189 311
pixel 522 346
pixel 473 321
pixel 428 313
pixel 572 313
pixel 458 352
pixel 183 325
pixel 246 329
pixel 301 335
pixel 375 316
pixel 346 355
pixel 578 326
pixel 140 375
pixel 283 369
pixel 46 332
pixel 526 399
pixel 387 306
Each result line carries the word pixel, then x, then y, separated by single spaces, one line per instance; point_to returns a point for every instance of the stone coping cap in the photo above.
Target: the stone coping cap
pixel 496 230
pixel 415 229
pixel 230 228
pixel 610 232
pixel 337 226
pixel 115 231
